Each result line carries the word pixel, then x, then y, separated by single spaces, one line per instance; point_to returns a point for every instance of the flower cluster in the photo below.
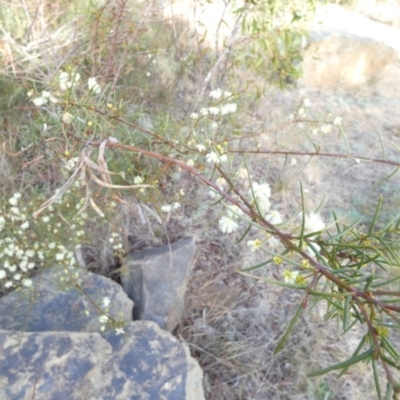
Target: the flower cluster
pixel 167 208
pixel 221 107
pixel 67 81
pixel 259 196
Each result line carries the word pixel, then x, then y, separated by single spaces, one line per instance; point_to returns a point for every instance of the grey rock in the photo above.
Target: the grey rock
pixel 156 281
pixel 144 363
pixel 64 301
pixel 54 347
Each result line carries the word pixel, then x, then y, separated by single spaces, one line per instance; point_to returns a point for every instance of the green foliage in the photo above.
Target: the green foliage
pixel 275 37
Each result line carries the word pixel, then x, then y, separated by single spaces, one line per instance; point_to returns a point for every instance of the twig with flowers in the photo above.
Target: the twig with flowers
pixel 351 302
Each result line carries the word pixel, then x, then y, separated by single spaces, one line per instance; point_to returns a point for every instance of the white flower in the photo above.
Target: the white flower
pixel 8 284
pixel 49 97
pixel 194 115
pixel 254 244
pixel 27 282
pixel 190 162
pixel 175 205
pixel 166 208
pixel 261 191
pixel 309 250
pixel 223 158
pixel 229 108
pixel 15 210
pixel 216 94
pixel 63 80
pixel 137 180
pixel 313 223
pixel 30 253
pixel 301 112
pixel 113 140
pixel 337 121
pixel 290 276
pixel 67 118
pixel 214 110
pixel 204 111
pixel 3 274
pixel 227 94
pixel 106 302
pixel 119 331
pixel 200 147
pixel 39 101
pixel 243 173
pixel 306 103
pixel 94 86
pixel 103 319
pixel 17 277
pixel 221 182
pixel 213 158
pixel 227 225
pixel 13 201
pixel 326 128
pixel 274 217
pixel 44 99
pixel 66 80
pixel 22 265
pixel 25 225
pixel 263 205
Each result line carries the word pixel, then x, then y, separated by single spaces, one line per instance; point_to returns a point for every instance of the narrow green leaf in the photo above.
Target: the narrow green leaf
pixel 376 379
pixel 274 281
pixel 256 266
pixel 390 349
pixel 346 312
pixel 389 391
pixel 344 231
pixel 377 211
pixel 303 216
pixel 377 285
pixel 343 364
pixel 289 329
pixel 244 234
pixel 368 283
pixel 388 177
pixel 356 351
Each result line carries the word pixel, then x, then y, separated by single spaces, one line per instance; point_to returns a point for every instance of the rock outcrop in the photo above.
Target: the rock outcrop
pixel 347 50
pixel 156 281
pixel 71 336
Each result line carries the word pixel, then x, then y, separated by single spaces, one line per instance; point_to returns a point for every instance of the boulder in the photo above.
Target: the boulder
pixel 336 59
pixel 156 281
pixel 145 362
pixel 64 300
pixel 347 49
pixel 56 343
